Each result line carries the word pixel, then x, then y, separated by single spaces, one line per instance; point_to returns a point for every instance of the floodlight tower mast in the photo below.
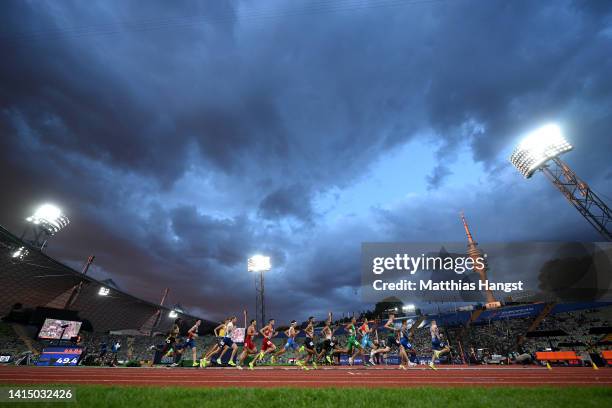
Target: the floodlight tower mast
pixel 474 252
pixel 260 305
pixel 580 195
pixel 540 150
pixel 259 264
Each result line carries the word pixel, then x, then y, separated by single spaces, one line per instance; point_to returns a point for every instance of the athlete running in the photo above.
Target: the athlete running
pixel 291 333
pixel 190 342
pixel 309 345
pixel 437 345
pixel 172 338
pixel 405 346
pixel 219 332
pixel 352 345
pixel 392 340
pixel 365 331
pixel 249 347
pixel 227 342
pixel 267 347
pixel 381 349
pixel 328 345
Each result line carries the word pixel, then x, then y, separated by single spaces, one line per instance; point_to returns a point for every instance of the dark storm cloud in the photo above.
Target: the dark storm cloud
pixel 518 70
pixel 437 176
pixel 182 138
pixel 288 201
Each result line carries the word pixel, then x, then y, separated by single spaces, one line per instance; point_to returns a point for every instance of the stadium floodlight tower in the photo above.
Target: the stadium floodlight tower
pixel 259 264
pixel 46 221
pixel 540 150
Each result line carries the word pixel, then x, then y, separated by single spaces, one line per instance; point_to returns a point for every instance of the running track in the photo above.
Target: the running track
pixel 323 377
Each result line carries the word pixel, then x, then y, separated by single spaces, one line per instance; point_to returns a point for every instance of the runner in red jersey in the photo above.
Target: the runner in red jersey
pixel 249 347
pixel 267 347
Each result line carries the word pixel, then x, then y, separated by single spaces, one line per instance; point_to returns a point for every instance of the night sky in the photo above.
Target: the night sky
pixel 182 137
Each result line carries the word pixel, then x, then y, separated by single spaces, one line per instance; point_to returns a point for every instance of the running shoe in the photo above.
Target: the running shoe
pixel 329 360
pixel 301 350
pixel 350 361
pixel 195 363
pixel 272 360
pixel 238 366
pixel 231 362
pixel 402 367
pixel 219 361
pixel 432 366
pixel 252 364
pixel 314 365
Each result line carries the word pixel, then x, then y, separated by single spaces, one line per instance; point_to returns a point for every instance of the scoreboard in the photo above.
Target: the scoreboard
pixel 60 356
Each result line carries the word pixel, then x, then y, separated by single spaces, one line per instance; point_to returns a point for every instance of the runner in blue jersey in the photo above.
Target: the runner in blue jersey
pixel 291 344
pixel 437 344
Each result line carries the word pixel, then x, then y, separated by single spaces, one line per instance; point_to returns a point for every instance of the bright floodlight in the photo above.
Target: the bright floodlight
pixel 259 263
pixel 103 291
pixel 409 308
pixel 49 218
pixel 537 148
pixel 20 253
pixel 173 314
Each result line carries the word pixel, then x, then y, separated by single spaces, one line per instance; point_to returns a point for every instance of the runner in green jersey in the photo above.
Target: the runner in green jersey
pixel 353 347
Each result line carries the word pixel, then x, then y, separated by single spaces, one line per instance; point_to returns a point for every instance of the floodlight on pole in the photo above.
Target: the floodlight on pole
pixel 540 150
pixel 19 253
pixel 537 148
pixel 409 308
pixel 259 264
pixel 173 314
pixel 46 221
pixel 104 291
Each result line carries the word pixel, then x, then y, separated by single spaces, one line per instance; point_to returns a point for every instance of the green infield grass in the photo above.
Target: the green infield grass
pixel 112 396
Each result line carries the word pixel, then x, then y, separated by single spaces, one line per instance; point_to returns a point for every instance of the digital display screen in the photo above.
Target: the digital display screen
pixel 52 329
pixel 60 356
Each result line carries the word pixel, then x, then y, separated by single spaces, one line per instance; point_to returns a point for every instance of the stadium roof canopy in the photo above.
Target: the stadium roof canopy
pixel 36 280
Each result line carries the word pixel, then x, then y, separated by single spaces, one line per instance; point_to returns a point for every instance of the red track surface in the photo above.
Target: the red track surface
pixel 325 377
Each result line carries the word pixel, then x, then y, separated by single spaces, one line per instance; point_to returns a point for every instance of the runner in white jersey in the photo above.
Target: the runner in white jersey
pixel 227 342
pixel 328 344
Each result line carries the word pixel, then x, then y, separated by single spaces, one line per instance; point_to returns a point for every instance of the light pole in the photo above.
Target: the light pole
pixel 540 150
pixel 259 264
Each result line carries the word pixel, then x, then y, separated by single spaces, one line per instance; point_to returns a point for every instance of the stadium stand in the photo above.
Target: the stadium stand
pixel 39 284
